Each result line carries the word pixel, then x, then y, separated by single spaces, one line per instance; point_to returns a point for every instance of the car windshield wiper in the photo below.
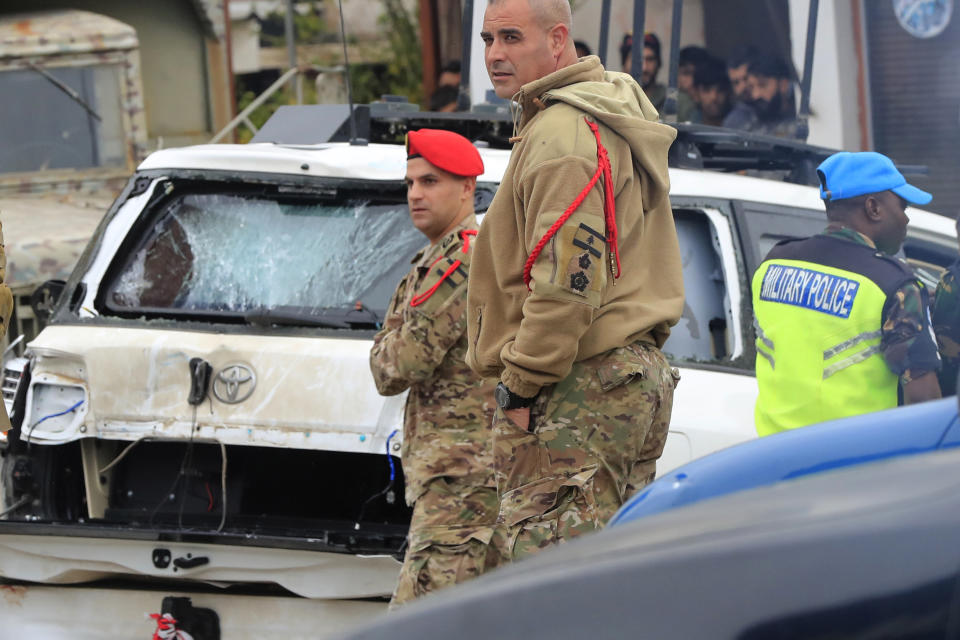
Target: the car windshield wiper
pixel 268 317
pixel 67 90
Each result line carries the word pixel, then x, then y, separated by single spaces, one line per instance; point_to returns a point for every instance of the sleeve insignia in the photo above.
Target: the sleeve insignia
pixel 579 281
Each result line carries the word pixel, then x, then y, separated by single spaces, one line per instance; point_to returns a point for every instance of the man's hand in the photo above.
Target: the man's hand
pixel 520 417
pixel 922 389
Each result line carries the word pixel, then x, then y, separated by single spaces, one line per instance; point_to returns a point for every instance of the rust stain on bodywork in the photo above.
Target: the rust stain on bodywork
pixel 13 595
pixel 23 28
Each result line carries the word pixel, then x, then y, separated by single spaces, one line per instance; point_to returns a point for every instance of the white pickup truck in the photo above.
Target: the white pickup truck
pixel 199 412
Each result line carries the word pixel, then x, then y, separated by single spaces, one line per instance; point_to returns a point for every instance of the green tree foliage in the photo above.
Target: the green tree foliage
pixel 399 73
pixel 402 71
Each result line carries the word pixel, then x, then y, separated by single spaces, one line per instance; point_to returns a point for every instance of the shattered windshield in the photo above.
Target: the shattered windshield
pixel 228 253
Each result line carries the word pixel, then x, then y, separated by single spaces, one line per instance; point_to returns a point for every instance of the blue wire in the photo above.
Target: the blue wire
pixel 52 415
pixel 393 471
pixel 55 415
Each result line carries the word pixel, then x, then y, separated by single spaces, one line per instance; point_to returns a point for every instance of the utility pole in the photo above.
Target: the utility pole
pixel 292 50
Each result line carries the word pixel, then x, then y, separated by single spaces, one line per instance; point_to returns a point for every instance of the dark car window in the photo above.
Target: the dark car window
pixel 763 226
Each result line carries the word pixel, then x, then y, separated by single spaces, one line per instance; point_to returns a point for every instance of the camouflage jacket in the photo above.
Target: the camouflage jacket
pixel 421 347
pixel 946 326
pixel 907 341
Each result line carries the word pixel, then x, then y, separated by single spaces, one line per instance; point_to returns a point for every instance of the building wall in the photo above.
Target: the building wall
pixel 835 97
pixel 174 61
pixel 245 42
pixel 360 16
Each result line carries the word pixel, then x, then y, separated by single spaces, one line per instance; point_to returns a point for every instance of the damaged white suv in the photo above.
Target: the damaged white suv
pixel 200 406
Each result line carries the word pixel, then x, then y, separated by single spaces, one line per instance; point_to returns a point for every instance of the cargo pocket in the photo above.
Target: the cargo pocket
pixel 548 511
pixel 516 453
pixel 622 366
pixel 442 558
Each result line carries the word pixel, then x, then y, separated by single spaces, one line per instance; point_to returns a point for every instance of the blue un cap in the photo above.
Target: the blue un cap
pixel 848 175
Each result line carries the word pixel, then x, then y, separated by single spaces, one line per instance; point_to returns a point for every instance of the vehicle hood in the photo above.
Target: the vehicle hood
pixel 45 234
pixel 304 391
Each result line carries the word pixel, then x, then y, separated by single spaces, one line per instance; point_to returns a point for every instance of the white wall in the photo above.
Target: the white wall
pixel 834 98
pixel 361 16
pixel 245 45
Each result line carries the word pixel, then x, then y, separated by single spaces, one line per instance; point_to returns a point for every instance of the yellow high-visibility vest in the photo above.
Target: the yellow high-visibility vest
pixel 818 333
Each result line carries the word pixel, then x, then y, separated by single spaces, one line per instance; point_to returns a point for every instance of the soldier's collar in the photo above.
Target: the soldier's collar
pixel 838 230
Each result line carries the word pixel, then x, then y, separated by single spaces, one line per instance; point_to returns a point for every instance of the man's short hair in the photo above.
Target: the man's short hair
pixel 583 46
pixel 548 12
pixel 444 96
pixel 693 55
pixel 712 72
pixel 839 209
pixel 742 55
pixel 451 67
pixel 770 67
pixel 650 41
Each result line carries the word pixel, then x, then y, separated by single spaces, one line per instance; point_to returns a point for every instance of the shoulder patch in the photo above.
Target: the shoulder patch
pixel 447 274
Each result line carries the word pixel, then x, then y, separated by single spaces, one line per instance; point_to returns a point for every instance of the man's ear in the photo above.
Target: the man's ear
pixel 784 85
pixel 871 207
pixel 469 187
pixel 558 37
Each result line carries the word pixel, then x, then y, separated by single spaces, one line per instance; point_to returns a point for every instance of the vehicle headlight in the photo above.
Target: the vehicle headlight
pixel 55 411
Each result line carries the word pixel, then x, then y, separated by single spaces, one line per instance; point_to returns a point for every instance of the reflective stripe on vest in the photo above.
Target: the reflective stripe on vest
pixel 818 345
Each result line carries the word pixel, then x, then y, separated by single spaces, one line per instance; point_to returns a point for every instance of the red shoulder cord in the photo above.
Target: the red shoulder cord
pixel 609 212
pixel 423 297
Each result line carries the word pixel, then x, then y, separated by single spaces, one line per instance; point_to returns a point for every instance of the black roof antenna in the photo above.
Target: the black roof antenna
pixel 354 139
pixel 803 118
pixel 463 98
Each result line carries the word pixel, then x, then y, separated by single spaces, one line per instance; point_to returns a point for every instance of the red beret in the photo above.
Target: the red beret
pixel 445 150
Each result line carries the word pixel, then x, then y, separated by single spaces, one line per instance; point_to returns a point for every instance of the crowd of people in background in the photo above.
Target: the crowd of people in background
pixel 750 91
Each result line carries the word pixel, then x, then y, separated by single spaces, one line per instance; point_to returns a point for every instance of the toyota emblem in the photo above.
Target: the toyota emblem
pixel 234 383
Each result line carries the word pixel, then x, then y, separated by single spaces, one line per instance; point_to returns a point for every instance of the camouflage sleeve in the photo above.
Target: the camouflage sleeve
pixel 415 340
pixel 946 327
pixel 907 343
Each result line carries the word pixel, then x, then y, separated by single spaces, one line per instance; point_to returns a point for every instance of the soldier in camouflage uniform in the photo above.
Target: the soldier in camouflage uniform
pixel 447 460
pixel 946 325
pixel 574 285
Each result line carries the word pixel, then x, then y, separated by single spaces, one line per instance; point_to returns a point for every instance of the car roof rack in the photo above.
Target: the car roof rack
pixel 696 146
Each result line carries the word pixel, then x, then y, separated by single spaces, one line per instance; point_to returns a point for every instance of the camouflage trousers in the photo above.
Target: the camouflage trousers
pixel 593 441
pixel 449 539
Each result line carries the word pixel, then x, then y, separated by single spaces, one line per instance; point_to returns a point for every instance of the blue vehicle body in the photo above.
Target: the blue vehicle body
pixel 831 445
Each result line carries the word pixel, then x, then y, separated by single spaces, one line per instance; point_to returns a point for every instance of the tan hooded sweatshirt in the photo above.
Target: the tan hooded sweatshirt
pixel 575 309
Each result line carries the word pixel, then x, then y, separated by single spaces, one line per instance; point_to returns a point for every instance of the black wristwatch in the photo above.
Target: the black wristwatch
pixel 508 400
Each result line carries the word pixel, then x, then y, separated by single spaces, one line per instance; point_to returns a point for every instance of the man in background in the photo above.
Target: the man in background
pixel 742 112
pixel 712 86
pixel 771 97
pixel 946 324
pixel 656 92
